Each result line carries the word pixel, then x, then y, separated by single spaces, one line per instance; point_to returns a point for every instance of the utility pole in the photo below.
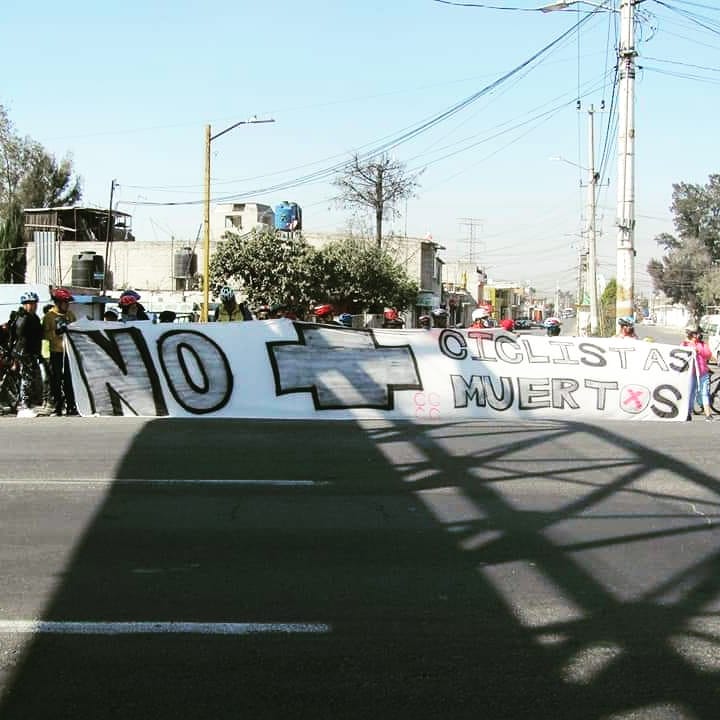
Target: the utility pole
pixel 626 162
pixel 108 237
pixel 209 137
pixel 592 233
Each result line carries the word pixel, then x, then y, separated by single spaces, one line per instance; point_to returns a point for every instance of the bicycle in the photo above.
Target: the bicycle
pixel 714 395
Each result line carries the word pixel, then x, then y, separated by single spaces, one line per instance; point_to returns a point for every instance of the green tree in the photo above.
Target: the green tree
pixel 685 273
pixel 12 247
pixel 276 268
pixel 272 267
pixel 47 182
pixel 356 277
pixel 607 308
pixel 680 274
pixel 377 184
pixel 29 177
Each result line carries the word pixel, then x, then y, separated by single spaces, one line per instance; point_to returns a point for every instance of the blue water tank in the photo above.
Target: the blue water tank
pixel 288 216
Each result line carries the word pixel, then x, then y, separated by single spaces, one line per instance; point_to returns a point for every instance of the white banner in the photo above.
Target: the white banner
pixel 284 369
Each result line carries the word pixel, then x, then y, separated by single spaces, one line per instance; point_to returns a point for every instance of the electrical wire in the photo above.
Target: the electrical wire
pixel 390 144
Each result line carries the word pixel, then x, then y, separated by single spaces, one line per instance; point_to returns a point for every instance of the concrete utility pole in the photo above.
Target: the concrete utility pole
pixel 626 162
pixel 592 233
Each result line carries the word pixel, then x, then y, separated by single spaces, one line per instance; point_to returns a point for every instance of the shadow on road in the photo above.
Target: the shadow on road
pixel 521 578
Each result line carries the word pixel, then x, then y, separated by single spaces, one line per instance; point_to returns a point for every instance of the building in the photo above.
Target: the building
pixel 68 246
pixel 240 218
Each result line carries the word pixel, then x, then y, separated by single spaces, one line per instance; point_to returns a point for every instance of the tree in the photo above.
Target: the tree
pixel 356 277
pixel 12 246
pixel 607 308
pixel 679 274
pixel 29 177
pixel 685 273
pixel 376 184
pixel 47 183
pixel 273 268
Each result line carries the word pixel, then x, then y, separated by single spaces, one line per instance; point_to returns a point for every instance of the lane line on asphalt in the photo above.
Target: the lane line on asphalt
pixel 163 481
pixel 59 627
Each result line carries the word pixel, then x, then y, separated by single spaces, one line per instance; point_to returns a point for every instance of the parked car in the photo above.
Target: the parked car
pixel 523 323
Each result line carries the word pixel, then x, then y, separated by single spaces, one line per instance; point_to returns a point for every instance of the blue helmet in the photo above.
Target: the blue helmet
pixel 345 319
pixel 28 297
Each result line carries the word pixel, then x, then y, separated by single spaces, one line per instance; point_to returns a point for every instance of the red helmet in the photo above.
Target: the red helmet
pixel 61 295
pixel 127 300
pixel 322 310
pixel 507 324
pixel 391 314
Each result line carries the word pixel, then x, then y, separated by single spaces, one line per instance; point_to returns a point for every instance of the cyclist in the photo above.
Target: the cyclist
pixel 507 324
pixel 130 307
pixel 439 317
pixel 424 322
pixel 481 318
pixel 626 327
pixel 229 309
pixel 324 314
pixel 701 373
pixel 26 341
pixel 54 325
pixel 552 326
pixel 345 319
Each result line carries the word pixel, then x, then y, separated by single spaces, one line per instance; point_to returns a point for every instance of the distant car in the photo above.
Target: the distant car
pixel 523 323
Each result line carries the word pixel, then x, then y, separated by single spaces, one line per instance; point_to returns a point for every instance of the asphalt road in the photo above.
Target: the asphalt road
pixel 243 569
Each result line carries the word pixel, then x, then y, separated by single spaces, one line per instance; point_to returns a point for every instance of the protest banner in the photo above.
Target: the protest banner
pixel 293 370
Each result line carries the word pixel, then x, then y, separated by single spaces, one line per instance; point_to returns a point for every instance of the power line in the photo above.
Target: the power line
pixel 390 144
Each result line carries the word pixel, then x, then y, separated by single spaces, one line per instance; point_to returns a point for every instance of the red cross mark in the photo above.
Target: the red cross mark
pixel 635 398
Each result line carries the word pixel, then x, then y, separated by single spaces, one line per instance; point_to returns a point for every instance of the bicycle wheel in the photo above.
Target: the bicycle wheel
pixel 715 393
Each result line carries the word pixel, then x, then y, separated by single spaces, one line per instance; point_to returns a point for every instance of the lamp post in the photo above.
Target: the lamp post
pixel 625 274
pixel 209 137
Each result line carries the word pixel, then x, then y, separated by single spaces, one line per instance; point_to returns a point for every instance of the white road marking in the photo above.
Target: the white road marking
pixel 59 627
pixel 49 483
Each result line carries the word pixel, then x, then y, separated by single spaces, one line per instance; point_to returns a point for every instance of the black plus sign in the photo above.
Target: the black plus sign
pixel 342 368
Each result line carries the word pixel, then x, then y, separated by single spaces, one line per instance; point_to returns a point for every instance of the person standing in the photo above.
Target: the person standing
pixel 54 325
pixel 229 309
pixel 700 388
pixel 26 342
pixel 480 318
pixel 130 307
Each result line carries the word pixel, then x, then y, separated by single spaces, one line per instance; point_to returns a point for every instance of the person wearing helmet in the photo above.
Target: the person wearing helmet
pixel 439 317
pixel 230 310
pixel 480 318
pixel 345 319
pixel 131 308
pixel 26 347
pixel 391 319
pixel 700 389
pixel 324 314
pixel 552 326
pixel 263 312
pixel 54 325
pixel 507 324
pixel 626 327
pixel 424 322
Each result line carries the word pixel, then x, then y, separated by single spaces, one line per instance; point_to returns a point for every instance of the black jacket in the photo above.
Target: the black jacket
pixel 27 334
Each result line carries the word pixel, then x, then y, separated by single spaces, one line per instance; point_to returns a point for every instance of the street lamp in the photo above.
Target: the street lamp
pixel 625 279
pixel 209 137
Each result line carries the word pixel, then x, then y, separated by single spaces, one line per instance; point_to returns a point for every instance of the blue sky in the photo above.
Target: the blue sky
pixel 127 89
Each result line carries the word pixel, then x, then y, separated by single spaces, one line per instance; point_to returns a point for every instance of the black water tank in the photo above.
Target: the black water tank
pixel 185 263
pixel 87 270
